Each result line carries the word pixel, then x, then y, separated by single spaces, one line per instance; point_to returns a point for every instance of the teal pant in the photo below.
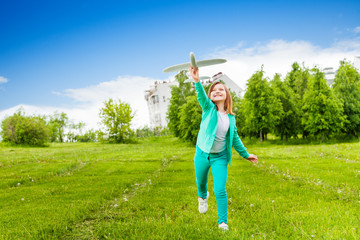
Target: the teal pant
pixel 218 163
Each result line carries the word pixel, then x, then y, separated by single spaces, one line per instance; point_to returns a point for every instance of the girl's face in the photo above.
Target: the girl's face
pixel 218 93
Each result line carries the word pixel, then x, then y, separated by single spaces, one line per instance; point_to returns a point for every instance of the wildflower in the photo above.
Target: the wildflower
pixel 125 199
pixel 19 184
pixel 339 191
pixel 251 205
pixel 273 201
pixel 116 205
pixel 22 199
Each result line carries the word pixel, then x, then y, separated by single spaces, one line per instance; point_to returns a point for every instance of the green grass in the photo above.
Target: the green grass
pixel 148 191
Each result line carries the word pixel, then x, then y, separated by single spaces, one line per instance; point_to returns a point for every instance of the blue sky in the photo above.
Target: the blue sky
pixel 49 48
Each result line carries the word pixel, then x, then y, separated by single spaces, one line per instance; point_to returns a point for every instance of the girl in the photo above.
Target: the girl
pixel 217 136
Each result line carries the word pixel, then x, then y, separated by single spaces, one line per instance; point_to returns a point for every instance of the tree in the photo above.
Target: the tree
pixel 88 136
pixel 75 131
pixel 288 124
pixel 261 107
pixel 293 75
pixel 116 117
pixel 239 111
pixel 297 79
pixel 151 132
pixel 190 119
pixel 323 112
pixel 57 124
pixel 347 88
pixel 178 98
pixel 21 129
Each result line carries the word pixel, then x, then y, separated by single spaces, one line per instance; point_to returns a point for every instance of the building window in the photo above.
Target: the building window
pixel 155 99
pixel 164 99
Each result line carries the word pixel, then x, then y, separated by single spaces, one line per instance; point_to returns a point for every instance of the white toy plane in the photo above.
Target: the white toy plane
pixel 195 64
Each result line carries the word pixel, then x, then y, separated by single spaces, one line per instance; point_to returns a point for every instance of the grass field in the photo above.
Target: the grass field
pixel 148 191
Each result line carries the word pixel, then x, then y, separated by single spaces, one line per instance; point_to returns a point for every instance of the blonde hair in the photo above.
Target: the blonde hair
pixel 228 100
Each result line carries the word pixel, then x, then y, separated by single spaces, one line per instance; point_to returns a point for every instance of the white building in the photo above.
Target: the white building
pixel 329 75
pixel 158 98
pixel 330 72
pixel 357 63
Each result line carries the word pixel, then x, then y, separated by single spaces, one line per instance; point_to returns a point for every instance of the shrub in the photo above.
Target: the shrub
pixel 28 130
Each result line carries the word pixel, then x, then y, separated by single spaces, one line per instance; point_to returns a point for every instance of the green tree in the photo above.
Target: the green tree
pixel 57 124
pixel 21 129
pixel 239 111
pixel 179 94
pixel 190 119
pixel 88 136
pixel 261 107
pixel 75 130
pixel 347 88
pixel 288 124
pixel 323 112
pixel 116 117
pixel 293 75
pixel 297 79
pixel 152 132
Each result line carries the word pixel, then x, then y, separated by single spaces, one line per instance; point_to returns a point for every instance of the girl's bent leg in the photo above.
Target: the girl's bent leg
pixel 202 166
pixel 219 169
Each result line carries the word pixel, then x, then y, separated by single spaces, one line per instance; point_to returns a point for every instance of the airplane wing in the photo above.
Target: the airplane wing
pixel 185 66
pixel 209 62
pixel 177 68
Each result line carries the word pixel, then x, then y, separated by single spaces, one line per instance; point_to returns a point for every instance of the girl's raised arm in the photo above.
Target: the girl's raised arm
pixel 203 99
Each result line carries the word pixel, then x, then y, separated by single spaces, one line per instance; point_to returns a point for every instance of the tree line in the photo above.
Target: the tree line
pixel 301 104
pixel 37 130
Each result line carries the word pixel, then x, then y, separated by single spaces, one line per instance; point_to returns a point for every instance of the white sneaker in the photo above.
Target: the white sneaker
pixel 224 226
pixel 203 206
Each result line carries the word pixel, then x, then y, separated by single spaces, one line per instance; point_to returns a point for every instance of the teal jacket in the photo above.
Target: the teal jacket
pixel 209 119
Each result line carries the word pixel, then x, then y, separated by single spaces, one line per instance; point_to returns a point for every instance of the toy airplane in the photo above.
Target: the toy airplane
pixel 194 63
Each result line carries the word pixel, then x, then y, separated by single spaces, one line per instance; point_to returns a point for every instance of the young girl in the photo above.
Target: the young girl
pixel 217 136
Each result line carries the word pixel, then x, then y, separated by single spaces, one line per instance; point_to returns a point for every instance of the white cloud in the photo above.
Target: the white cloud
pixel 277 56
pixel 3 79
pixel 128 89
pixel 357 29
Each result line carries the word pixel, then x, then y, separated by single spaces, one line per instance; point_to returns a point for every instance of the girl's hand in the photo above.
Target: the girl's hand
pixel 194 73
pixel 252 158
